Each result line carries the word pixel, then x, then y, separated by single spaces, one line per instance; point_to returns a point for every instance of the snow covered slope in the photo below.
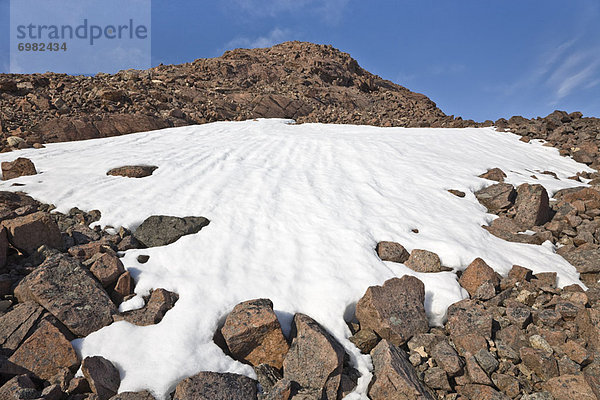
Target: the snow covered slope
pixel 296 212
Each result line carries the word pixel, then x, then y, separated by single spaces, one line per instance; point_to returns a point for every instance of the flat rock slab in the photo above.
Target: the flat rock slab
pixel 133 171
pixel 161 230
pixel 46 352
pixel 216 386
pixel 395 311
pixel 15 169
pixel 315 360
pixel 17 325
pixel 253 334
pixel 69 292
pixel 394 376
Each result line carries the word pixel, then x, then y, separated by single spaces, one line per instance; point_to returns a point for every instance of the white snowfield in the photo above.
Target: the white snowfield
pixel 296 212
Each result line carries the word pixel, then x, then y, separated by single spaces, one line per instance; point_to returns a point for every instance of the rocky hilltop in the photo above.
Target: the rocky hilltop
pixel 303 81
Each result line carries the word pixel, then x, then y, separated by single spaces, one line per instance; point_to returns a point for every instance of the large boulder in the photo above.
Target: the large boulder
pixel 394 376
pixel 161 230
pixel 46 352
pixel 216 386
pixel 15 169
pixel 29 232
pixel 497 197
pixel 103 377
pixel 315 360
pixel 70 292
pixel 395 311
pixel 253 334
pixel 532 206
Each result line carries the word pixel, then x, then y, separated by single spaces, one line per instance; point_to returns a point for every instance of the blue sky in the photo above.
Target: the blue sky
pixel 480 59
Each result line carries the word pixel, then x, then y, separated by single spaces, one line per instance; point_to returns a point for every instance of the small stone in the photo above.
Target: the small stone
pixel 436 378
pixel 123 288
pixel 391 251
pixel 576 352
pixel 538 342
pixel 545 279
pixel 457 193
pixel 160 302
pixel 365 340
pixel 519 315
pixel 446 357
pixel 471 343
pixel 520 274
pixel 133 171
pixel 103 377
pixel 143 258
pixel 19 388
pixel 487 361
pixel 509 385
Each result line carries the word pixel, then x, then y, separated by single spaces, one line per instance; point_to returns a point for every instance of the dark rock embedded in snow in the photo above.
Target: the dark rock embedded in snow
pixel 161 230
pixel 395 377
pixel 494 174
pixel 532 205
pixel 15 169
pixel 160 302
pixel 133 171
pixel 103 377
pixel 253 334
pixel 143 395
pixel 67 290
pixel 391 251
pixel 315 359
pixel 394 311
pixel 216 386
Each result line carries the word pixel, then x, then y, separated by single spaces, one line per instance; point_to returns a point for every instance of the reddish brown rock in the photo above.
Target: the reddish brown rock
pixel 143 395
pixel 494 174
pixel 17 325
pixel 365 340
pixel 520 274
pixel 540 362
pixel 532 206
pixel 394 311
pixel 215 386
pixel 123 288
pixel 133 171
pixel 569 387
pixel 15 169
pixel 473 391
pixel 394 377
pixel 103 377
pixel 107 268
pixel 584 261
pixel 315 359
pixel 588 324
pixel 467 317
pixel 31 231
pixel 67 290
pixel 477 274
pixel 253 334
pixel 86 251
pixel 499 196
pixel 19 388
pixel 46 352
pixel 391 251
pixel 447 358
pixel 424 261
pixel 160 302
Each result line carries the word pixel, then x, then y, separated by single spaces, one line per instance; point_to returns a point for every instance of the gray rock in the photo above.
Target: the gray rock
pixel 67 290
pixel 391 251
pixel 585 261
pixel 160 302
pixel 215 386
pixel 161 230
pixel 19 388
pixel 144 395
pixel 499 196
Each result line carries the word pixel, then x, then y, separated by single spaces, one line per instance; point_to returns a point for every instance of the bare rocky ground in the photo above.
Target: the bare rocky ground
pixel 516 337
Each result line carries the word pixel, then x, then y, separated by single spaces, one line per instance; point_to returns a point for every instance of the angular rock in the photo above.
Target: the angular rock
pixel 160 302
pixel 424 261
pixel 15 169
pixel 532 206
pixel 161 230
pixel 588 324
pixel 569 387
pixel 494 174
pixel 584 261
pixel 19 388
pixel 394 311
pixel 123 288
pixel 394 377
pixel 365 340
pixel 436 378
pixel 253 334
pixel 508 384
pixel 520 274
pixel 540 362
pixel 68 291
pixel 143 395
pixel 499 196
pixel 447 358
pixel 468 316
pixel 31 231
pixel 133 171
pixel 315 359
pixel 475 372
pixel 3 246
pixel 107 268
pixel 215 386
pixel 103 377
pixel 473 391
pixel 476 274
pixel 46 352
pixel 391 251
pixel 17 325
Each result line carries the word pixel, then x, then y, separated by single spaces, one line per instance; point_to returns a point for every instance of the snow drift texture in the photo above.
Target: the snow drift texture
pixel 296 212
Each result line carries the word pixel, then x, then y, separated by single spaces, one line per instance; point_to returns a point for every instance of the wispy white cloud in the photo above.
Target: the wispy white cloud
pixel 327 10
pixel 275 36
pixel 574 72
